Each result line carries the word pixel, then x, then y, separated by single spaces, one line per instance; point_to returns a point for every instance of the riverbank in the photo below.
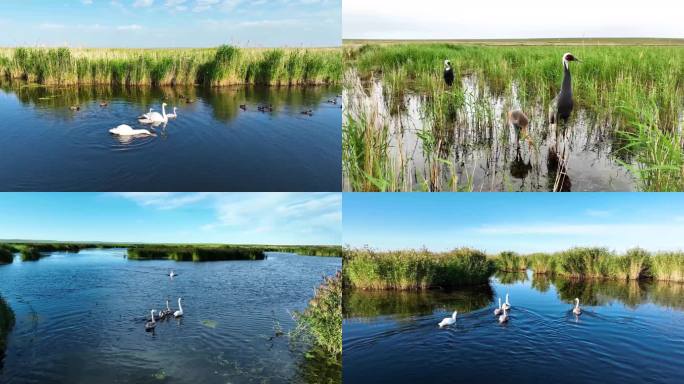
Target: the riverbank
pixel 222 66
pixel 6 324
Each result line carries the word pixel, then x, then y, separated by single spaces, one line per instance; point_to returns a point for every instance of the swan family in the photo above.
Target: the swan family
pixel 501 313
pixel 161 315
pixel 151 117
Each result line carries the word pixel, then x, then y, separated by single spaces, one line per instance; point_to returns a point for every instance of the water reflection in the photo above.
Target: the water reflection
pixel 400 304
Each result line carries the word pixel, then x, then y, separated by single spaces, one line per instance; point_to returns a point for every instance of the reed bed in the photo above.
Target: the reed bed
pixel 511 262
pixel 6 324
pixel 321 321
pixel 195 253
pixel 610 84
pixel 313 250
pixel 415 269
pixel 225 65
pixel 7 253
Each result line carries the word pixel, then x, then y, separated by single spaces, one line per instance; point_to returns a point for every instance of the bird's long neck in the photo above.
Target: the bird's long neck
pixel 179 305
pixel 152 312
pixel 163 111
pixel 167 306
pixel 567 79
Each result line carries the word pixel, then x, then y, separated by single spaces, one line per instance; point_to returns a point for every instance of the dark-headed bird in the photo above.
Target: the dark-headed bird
pixel 448 73
pixel 561 106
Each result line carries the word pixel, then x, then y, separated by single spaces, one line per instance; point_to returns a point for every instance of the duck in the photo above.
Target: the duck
pixel 75 108
pixel 577 311
pixel 126 130
pixel 332 101
pixel 243 107
pixel 104 103
pixel 307 112
pixel 448 320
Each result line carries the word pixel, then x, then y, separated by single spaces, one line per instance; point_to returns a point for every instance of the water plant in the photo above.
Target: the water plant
pixel 225 65
pixel 511 262
pixel 612 83
pixel 321 321
pixel 415 269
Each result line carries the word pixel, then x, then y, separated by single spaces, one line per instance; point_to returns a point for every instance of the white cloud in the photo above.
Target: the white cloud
pixel 87 2
pixel 51 26
pixel 132 27
pixel 143 3
pixel 448 19
pixel 303 215
pixel 598 213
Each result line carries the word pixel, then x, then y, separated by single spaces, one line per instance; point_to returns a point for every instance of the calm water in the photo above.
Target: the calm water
pixel 212 145
pixel 628 333
pixel 487 152
pixel 80 318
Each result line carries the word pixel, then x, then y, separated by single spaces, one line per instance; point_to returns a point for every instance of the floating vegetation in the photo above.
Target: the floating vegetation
pixel 209 324
pixel 225 65
pixel 415 269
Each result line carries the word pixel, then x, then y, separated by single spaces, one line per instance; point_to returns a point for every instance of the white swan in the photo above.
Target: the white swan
pixel 504 317
pixel 506 305
pixel 172 274
pixel 151 324
pixel 172 115
pixel 498 311
pixel 577 311
pixel 448 320
pixel 125 130
pixel 179 312
pixel 156 117
pixel 145 115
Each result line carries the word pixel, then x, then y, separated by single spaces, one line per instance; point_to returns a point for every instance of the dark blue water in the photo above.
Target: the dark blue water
pixel 80 319
pixel 213 145
pixel 628 333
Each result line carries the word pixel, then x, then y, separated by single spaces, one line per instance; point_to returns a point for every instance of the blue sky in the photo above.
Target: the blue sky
pixel 528 222
pixel 244 218
pixel 170 23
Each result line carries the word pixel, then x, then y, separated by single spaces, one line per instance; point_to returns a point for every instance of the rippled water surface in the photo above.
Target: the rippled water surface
pixel 213 144
pixel 80 319
pixel 628 333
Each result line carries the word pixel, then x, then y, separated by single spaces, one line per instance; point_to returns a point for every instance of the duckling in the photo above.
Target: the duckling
pixel 75 107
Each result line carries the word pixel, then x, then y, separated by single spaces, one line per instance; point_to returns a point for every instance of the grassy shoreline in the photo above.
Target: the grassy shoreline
pixel 415 269
pixel 6 324
pixel 366 269
pixel 222 66
pixel 32 251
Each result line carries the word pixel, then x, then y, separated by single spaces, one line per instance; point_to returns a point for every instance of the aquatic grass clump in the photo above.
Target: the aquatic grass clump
pixel 225 65
pixel 511 262
pixel 195 253
pixel 542 263
pixel 7 253
pixel 321 321
pixel 6 323
pixel 415 269
pixel 667 266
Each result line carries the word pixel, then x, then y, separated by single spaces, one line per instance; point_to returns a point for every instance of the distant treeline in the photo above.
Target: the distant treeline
pixel 226 65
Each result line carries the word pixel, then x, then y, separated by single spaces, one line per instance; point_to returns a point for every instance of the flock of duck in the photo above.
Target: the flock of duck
pixel 501 313
pixel 167 313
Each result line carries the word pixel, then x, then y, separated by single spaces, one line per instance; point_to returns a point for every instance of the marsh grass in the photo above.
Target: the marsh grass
pixel 225 65
pixel 7 253
pixel 610 84
pixel 415 269
pixel 511 262
pixel 195 253
pixel 6 323
pixel 321 321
